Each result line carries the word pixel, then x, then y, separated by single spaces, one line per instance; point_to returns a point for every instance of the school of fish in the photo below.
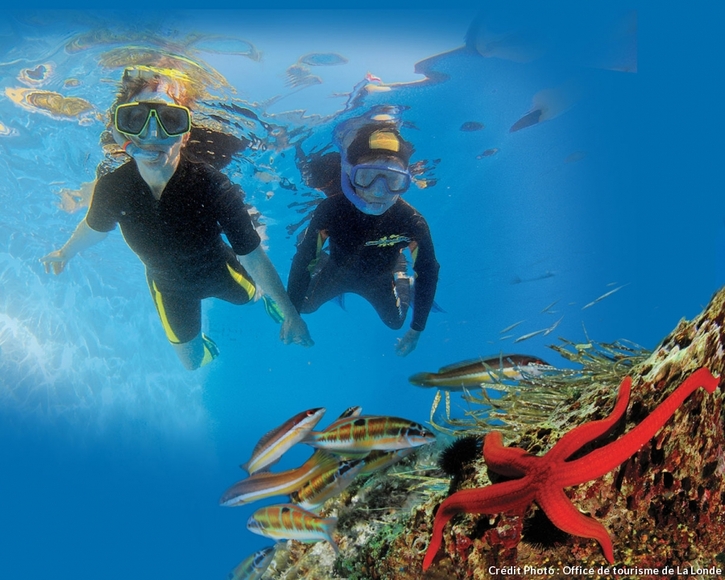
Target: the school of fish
pixel 352 445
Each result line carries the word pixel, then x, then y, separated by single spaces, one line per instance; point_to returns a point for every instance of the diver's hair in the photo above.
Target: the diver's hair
pixel 134 82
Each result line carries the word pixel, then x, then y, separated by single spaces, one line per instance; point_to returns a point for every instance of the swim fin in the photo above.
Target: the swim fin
pixel 271 307
pixel 211 350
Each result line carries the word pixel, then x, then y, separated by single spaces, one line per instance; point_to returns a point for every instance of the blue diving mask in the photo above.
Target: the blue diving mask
pixel 364 175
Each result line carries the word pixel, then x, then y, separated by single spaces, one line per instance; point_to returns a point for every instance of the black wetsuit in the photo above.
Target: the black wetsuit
pixel 179 239
pixel 365 253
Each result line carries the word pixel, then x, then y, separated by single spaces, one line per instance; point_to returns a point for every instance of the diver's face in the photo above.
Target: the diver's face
pixel 377 196
pixel 156 147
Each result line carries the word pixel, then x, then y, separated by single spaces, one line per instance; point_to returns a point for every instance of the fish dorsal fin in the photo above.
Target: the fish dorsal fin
pixel 495 362
pixel 351 412
pixel 473 361
pixel 266 438
pixel 272 433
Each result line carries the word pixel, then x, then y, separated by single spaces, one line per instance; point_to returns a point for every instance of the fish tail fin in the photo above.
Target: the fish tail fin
pixel 310 438
pixel 272 309
pixel 421 379
pixel 329 525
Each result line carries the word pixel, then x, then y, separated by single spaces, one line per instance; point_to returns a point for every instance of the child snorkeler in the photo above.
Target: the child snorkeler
pixel 367 225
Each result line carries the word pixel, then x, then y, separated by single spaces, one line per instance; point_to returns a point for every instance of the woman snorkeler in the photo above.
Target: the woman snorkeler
pixel 172 210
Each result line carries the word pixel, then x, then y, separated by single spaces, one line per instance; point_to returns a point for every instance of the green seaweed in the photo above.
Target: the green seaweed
pixel 514 406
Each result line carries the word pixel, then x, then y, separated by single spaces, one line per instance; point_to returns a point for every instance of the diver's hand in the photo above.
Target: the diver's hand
pixel 57 260
pixel 407 343
pixel 294 331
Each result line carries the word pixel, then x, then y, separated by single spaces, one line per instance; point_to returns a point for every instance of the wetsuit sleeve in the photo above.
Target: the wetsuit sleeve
pixel 234 218
pixel 426 269
pixel 103 213
pixel 304 258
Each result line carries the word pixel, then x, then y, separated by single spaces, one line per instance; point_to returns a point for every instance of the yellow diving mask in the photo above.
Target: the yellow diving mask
pixel 132 118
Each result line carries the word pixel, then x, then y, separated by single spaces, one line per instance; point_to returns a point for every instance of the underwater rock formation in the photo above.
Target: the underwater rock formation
pixel 663 507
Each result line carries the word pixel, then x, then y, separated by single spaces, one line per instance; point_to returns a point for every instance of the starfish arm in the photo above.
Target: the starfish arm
pixel 565 516
pixel 492 499
pixel 583 434
pixel 604 459
pixel 508 461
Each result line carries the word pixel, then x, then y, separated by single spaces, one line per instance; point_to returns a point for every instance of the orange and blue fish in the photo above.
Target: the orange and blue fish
pixel 379 460
pixel 366 433
pixel 473 373
pixel 253 566
pixel 290 522
pixel 278 441
pixel 317 490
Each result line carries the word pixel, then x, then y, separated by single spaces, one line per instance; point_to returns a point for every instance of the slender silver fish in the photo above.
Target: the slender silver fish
pixel 553 326
pixel 277 442
pixel 530 335
pixel 511 327
pixel 472 373
pixel 290 522
pixel 254 566
pixel 603 296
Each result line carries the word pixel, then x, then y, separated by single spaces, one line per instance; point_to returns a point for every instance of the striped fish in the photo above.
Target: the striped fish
pixel 379 460
pixel 369 432
pixel 290 522
pixel 265 484
pixel 278 441
pixel 317 490
pixel 252 567
pixel 472 373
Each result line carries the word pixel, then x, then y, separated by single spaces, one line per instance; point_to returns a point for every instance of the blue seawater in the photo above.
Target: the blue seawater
pixel 113 458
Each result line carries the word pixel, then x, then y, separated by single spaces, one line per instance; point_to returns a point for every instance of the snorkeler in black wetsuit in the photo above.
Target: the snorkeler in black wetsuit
pixel 173 210
pixel 367 229
pixel 178 238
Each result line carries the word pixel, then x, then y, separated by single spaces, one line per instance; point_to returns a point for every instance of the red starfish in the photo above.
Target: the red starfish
pixel 543 478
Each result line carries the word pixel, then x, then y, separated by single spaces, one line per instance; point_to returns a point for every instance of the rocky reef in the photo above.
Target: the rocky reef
pixel 664 507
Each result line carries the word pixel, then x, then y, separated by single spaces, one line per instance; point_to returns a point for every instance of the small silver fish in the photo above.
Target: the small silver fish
pixel 530 335
pixel 274 444
pixel 511 327
pixel 603 296
pixel 553 326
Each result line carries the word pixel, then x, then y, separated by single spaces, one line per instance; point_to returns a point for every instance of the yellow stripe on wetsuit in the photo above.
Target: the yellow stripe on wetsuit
pixel 242 281
pixel 248 287
pixel 159 301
